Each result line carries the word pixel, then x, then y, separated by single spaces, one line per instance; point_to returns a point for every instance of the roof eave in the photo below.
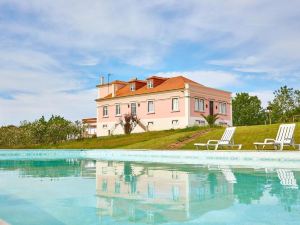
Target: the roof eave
pixel 117 97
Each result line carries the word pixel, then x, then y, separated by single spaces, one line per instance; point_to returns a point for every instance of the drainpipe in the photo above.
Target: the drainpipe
pixel 187 104
pixel 113 90
pixel 231 113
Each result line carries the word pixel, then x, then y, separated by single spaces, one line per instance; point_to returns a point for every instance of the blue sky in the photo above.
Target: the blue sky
pixel 53 52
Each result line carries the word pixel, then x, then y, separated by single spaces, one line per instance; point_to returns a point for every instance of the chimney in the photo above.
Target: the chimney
pixel 114 90
pixel 102 80
pixel 133 78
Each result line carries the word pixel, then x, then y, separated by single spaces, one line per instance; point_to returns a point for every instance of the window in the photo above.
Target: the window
pixel 200 193
pixel 117 187
pixel 133 108
pixel 222 123
pixel 199 122
pixel 174 175
pixel 222 108
pixel 150 124
pixel 118 110
pixel 104 126
pixel 175 104
pixel 132 87
pixel 175 122
pixel 151 106
pixel 150 83
pixel 150 216
pixel 199 105
pixel 105 111
pixel 175 193
pixel 150 191
pixel 104 185
pixel 104 170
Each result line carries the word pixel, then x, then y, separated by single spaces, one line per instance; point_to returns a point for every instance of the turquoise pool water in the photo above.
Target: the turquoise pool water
pixel 71 189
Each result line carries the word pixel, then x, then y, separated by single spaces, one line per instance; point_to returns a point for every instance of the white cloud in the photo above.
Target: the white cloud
pixel 35 84
pixel 39 43
pixel 216 79
pixel 141 33
pixel 73 106
pixel 265 96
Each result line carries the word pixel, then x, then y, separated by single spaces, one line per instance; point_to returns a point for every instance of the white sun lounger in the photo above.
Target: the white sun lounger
pixel 225 141
pixel 285 137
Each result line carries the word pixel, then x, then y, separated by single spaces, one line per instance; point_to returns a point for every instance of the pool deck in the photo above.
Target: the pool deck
pixel 256 159
pixel 244 158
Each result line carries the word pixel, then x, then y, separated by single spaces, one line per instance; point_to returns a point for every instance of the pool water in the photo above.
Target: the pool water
pixel 86 191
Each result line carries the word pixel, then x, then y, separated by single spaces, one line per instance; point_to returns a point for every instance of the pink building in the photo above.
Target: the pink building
pixel 160 104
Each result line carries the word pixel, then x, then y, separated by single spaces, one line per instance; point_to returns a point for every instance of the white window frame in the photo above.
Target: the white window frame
pixel 196 104
pixel 199 104
pixel 148 109
pixel 131 103
pixel 174 109
pixel 132 87
pixel 223 108
pixel 150 83
pixel 105 112
pixel 118 112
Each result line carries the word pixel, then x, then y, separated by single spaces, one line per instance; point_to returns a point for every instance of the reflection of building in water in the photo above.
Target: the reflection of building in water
pixel 148 193
pixel 88 168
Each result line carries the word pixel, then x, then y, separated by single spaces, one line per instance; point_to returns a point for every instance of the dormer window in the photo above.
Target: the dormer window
pixel 150 83
pixel 132 87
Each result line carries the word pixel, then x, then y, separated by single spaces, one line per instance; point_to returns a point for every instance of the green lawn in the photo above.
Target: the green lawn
pixel 148 140
pixel 245 135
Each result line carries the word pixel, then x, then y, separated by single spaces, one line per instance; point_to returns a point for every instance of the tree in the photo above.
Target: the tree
pixel 247 110
pixel 284 104
pixel 56 129
pixel 129 123
pixel 211 119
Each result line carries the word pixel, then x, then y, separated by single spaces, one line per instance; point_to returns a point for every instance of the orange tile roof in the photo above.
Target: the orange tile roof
pixel 89 120
pixel 156 77
pixel 139 81
pixel 173 83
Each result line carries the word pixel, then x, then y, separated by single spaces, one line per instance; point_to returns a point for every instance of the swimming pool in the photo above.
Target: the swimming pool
pixel 130 187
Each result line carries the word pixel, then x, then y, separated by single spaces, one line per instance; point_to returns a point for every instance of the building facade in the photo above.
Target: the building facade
pixel 160 104
pixel 90 127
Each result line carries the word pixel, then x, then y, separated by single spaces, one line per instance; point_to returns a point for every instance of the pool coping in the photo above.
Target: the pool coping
pixel 254 159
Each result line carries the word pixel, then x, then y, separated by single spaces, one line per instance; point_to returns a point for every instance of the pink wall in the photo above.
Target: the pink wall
pixel 104 90
pixel 162 105
pixel 210 94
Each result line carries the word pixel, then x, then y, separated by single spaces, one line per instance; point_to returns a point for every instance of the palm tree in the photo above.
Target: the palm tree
pixel 211 119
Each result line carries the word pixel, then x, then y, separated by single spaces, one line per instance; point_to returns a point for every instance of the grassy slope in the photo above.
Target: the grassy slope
pixel 148 140
pixel 245 135
pixel 163 139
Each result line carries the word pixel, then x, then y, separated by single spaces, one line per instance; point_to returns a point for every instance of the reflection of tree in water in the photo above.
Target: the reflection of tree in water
pixel 212 182
pixel 127 171
pixel 130 177
pixel 249 187
pixel 288 197
pixel 46 168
